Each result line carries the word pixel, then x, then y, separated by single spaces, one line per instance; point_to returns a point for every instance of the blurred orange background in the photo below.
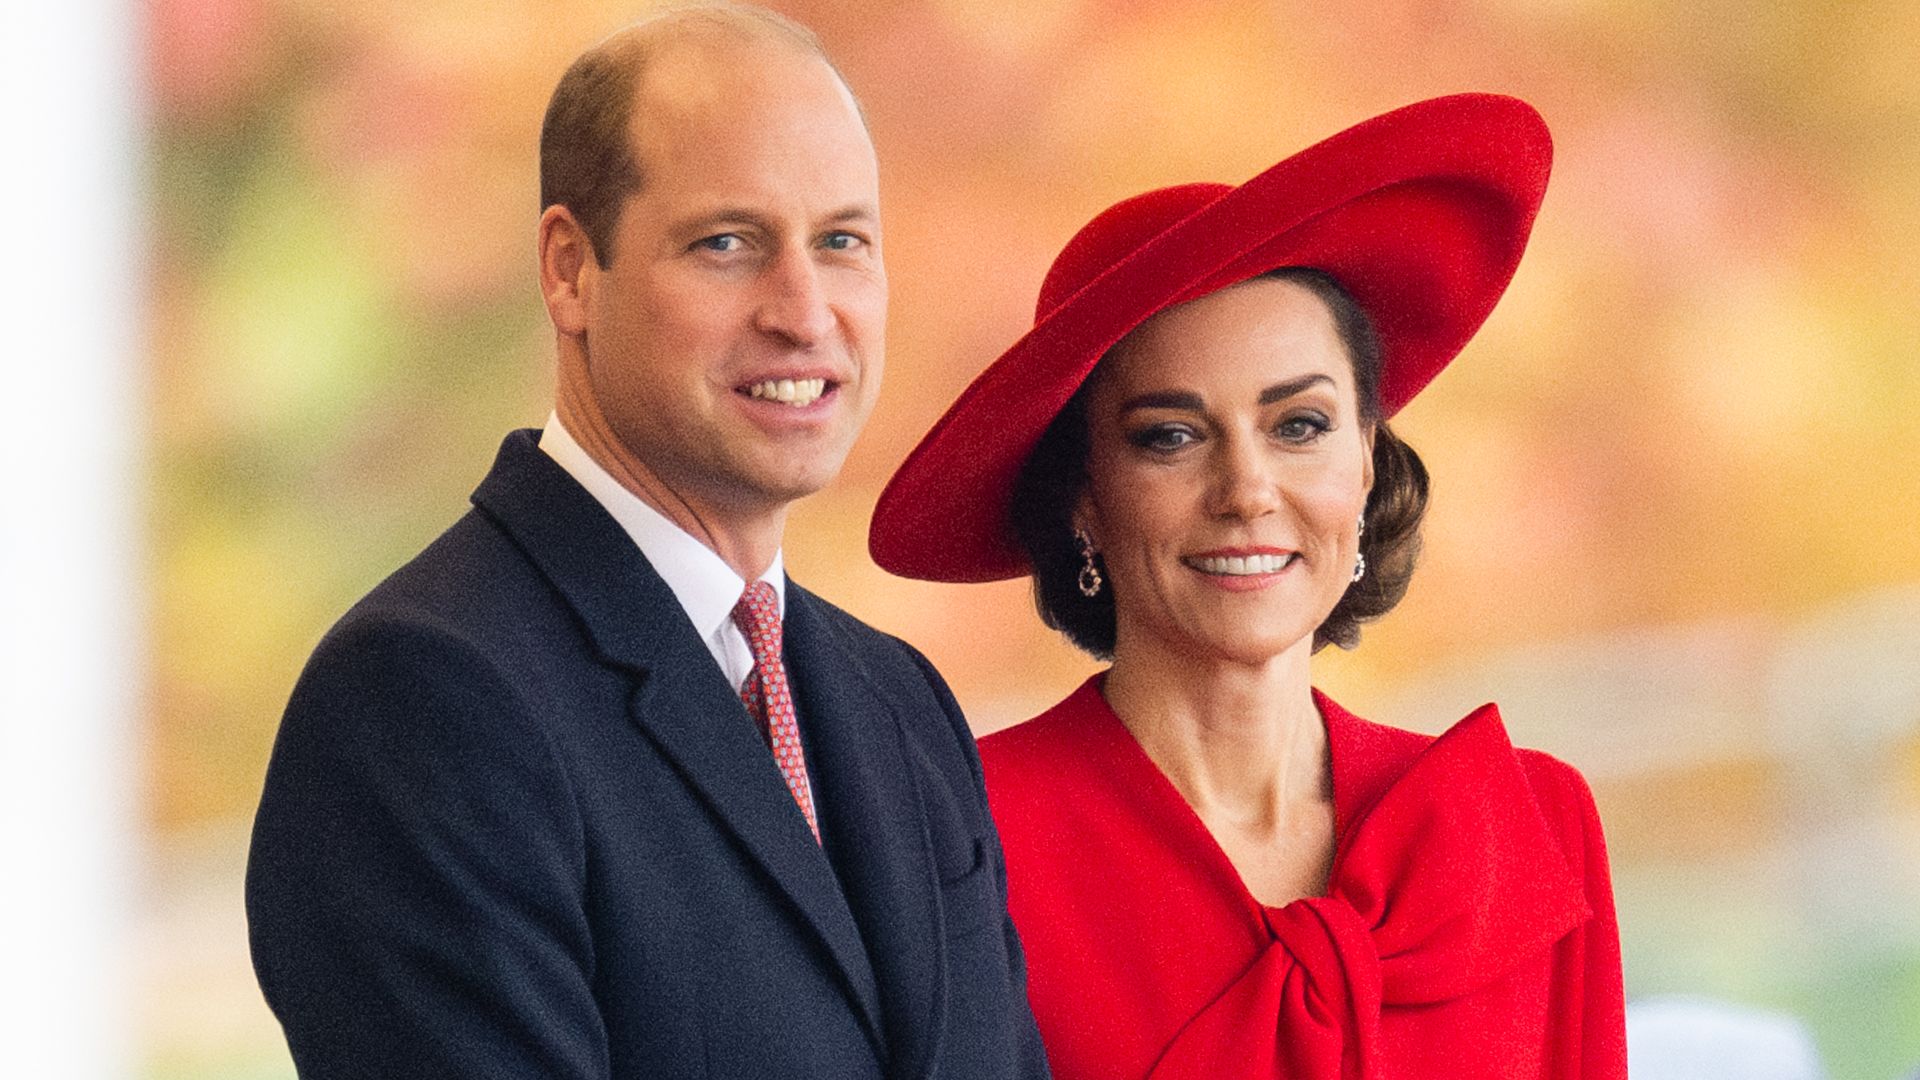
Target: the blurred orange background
pixel 1677 474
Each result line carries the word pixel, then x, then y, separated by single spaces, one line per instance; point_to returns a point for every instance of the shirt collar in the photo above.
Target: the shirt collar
pixel 701 580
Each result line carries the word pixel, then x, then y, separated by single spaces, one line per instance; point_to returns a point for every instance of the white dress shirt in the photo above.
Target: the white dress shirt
pixel 701 580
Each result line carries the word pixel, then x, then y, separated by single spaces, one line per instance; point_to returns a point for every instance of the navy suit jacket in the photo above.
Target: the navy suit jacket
pixel 517 824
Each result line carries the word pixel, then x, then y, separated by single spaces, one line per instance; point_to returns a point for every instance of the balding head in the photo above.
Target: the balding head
pixel 711 261
pixel 587 158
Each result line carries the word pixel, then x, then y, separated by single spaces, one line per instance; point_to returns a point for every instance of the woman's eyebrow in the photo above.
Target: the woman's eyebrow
pixel 1164 399
pixel 1285 390
pixel 1192 402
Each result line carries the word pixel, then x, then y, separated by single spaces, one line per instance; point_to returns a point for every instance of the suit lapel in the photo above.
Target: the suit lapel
pixel 682 703
pixel 874 826
pixel 690 712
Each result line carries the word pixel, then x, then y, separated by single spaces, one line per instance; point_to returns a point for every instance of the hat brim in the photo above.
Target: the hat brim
pixel 1421 214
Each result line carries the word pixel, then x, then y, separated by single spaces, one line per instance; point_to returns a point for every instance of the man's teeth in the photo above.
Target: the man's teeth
pixel 1240 565
pixel 788 391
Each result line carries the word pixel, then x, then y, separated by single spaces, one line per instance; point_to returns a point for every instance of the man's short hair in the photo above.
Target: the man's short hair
pixel 586 150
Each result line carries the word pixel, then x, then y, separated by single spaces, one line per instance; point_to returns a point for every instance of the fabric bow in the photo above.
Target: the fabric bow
pixel 1446 883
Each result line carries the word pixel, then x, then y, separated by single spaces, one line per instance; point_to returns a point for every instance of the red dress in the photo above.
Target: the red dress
pixel 1467 930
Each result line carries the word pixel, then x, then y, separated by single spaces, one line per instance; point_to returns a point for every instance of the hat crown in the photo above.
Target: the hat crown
pixel 1117 232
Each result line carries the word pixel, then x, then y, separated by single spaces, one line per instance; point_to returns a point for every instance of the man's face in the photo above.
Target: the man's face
pixel 734 342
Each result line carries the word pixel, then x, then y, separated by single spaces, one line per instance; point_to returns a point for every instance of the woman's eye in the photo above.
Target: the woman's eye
pixel 1163 439
pixel 1303 429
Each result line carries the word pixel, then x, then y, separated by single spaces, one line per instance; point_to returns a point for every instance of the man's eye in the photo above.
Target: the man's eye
pixel 721 242
pixel 841 241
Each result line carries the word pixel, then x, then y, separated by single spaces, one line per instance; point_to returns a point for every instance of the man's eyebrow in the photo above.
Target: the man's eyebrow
pixel 1285 390
pixel 854 212
pixel 724 216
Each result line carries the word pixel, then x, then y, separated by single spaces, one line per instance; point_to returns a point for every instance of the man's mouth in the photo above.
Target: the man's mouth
pixel 1241 565
pixel 795 392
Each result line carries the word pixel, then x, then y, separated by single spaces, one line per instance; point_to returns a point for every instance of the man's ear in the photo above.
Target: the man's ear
pixel 567 269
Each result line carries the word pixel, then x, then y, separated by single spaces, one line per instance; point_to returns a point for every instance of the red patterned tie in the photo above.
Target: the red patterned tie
pixel 766 695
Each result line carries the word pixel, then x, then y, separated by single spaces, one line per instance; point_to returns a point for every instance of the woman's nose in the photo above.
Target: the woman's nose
pixel 1245 485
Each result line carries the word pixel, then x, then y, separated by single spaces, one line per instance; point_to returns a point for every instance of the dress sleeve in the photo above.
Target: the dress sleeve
pixel 1588 1013
pixel 415 888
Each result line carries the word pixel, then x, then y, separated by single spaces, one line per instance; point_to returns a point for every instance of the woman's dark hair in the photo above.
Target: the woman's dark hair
pixel 1054 475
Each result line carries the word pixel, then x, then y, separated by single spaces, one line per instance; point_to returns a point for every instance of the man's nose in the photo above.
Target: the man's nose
pixel 794 306
pixel 1244 482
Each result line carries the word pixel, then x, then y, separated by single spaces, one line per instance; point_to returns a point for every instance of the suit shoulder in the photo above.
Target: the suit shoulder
pixel 871 645
pixel 390 664
pixel 443 574
pixel 471 584
pixel 900 673
pixel 850 626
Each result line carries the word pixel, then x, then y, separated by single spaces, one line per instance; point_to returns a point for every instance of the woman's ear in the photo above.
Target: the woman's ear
pixel 1084 519
pixel 1366 457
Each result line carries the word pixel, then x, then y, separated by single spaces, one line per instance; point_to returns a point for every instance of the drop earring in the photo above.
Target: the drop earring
pixel 1089 574
pixel 1360 557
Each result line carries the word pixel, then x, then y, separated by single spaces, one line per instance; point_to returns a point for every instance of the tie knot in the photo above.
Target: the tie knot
pixel 758 617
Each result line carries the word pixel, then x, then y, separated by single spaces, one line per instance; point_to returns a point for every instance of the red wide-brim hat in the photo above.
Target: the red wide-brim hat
pixel 1420 214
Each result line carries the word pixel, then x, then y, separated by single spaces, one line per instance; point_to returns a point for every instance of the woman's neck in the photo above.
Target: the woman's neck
pixel 1242 742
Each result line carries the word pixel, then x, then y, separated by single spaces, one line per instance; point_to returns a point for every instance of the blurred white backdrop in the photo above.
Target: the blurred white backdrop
pixel 71 499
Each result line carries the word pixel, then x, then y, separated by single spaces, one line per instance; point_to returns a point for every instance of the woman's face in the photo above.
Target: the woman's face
pixel 1227 467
